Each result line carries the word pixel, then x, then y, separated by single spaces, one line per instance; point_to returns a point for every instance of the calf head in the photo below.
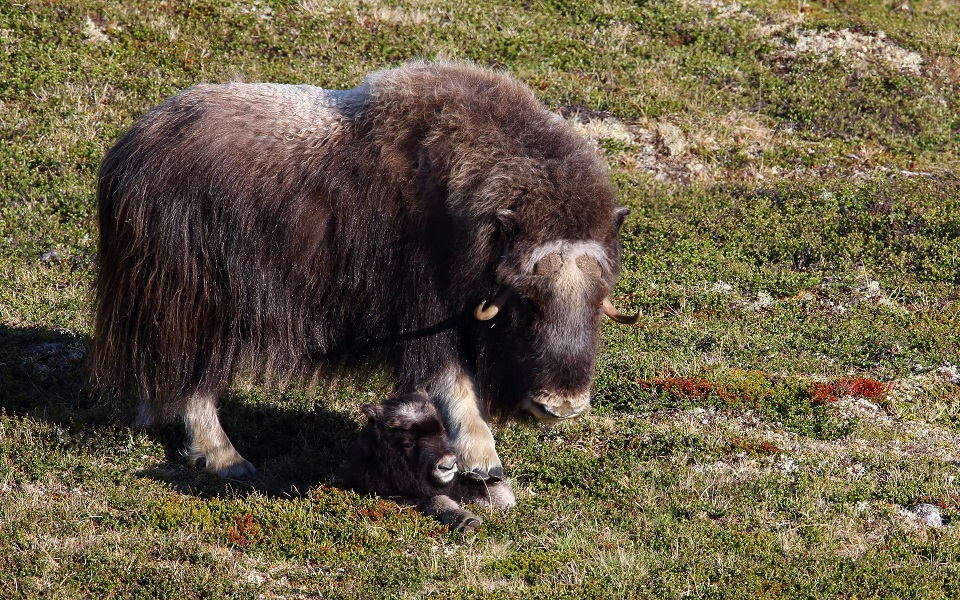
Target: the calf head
pixel 405 448
pixel 404 451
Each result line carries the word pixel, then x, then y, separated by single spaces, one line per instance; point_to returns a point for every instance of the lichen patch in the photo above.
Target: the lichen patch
pixel 860 51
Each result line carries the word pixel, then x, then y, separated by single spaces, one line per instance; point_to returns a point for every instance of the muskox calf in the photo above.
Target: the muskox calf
pixel 404 452
pixel 436 220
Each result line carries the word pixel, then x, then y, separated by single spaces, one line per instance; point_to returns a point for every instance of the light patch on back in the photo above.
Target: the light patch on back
pixel 297 116
pixel 307 102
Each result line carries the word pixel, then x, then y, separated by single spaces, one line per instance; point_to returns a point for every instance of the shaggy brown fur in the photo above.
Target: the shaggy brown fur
pixel 276 230
pixel 404 452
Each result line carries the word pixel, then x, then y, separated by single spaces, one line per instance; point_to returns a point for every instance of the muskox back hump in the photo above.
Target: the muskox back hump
pixel 204 205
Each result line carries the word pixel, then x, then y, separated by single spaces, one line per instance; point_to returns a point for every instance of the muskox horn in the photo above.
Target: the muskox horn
pixel 590 266
pixel 611 311
pixel 548 265
pixel 485 311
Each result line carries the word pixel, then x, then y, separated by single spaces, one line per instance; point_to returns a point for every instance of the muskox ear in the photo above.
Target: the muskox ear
pixel 622 214
pixel 508 222
pixel 373 411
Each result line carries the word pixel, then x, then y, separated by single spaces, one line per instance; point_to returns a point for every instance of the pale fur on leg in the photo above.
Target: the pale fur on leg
pixel 455 394
pixel 206 440
pixel 497 495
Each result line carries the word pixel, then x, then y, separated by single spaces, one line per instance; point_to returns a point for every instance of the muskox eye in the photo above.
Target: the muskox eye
pixel 548 265
pixel 590 266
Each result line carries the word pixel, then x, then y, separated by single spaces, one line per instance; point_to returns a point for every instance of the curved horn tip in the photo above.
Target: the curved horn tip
pixel 611 311
pixel 488 310
pixel 484 312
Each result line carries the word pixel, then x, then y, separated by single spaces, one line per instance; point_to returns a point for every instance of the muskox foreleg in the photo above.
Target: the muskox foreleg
pixel 456 395
pixel 207 444
pixel 451 514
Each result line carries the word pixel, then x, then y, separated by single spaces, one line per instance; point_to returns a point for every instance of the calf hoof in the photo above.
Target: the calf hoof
pixel 468 524
pixel 460 519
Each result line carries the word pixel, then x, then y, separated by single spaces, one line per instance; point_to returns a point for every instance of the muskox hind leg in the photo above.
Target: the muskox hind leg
pixel 455 394
pixel 207 444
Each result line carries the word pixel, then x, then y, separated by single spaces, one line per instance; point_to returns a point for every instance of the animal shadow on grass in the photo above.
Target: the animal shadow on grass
pixel 43 376
pixel 293 450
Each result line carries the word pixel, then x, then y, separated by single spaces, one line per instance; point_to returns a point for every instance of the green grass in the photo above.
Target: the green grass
pixel 794 247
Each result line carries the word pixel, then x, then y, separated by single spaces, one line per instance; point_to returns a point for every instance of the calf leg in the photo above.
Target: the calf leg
pixel 450 513
pixel 207 442
pixel 455 394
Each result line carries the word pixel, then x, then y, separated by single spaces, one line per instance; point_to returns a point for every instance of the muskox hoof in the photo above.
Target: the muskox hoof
pixel 241 470
pixel 494 474
pixel 225 466
pixel 477 453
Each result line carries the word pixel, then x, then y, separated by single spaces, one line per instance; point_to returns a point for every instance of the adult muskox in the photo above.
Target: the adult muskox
pixel 436 218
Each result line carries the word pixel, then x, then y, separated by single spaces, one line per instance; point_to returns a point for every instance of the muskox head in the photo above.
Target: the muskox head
pixel 403 450
pixel 539 325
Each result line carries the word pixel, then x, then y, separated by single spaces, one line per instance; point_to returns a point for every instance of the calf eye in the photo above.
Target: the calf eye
pixel 590 266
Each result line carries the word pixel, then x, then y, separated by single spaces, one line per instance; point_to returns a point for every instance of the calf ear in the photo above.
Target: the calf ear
pixel 373 411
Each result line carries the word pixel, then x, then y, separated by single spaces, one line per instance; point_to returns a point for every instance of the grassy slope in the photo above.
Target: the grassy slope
pixel 795 239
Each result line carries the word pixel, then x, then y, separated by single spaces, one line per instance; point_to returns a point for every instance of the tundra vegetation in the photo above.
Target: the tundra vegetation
pixel 785 423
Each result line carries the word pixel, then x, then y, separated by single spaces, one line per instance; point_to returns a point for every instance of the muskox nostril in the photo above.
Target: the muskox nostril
pixel 445 470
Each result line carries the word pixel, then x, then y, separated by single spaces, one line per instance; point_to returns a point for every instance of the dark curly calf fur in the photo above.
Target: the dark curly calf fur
pixel 405 452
